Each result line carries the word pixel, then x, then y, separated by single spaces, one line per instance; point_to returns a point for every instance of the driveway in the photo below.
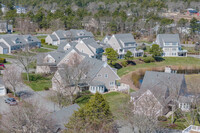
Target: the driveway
pixel 40 98
pixel 4 108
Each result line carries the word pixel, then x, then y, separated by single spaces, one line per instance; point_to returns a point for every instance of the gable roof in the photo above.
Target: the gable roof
pixel 53 37
pixel 3 45
pixel 60 34
pixel 125 38
pixel 80 33
pixel 64 43
pixel 159 83
pixel 167 38
pixel 91 42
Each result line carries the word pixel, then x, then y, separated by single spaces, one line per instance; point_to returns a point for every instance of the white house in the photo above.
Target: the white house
pixel 170 44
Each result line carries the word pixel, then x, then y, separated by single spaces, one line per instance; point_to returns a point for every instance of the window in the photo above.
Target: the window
pixel 106 75
pixel 111 83
pixel 174 44
pixel 167 44
pixel 99 75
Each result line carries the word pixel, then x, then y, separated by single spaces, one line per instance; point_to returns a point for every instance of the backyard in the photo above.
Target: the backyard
pixel 38 82
pixel 168 61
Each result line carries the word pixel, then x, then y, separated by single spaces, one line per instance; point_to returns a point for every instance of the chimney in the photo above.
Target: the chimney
pixel 104 58
pixel 168 69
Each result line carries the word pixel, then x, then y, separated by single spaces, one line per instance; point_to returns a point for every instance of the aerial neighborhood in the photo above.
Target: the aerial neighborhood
pixel 100 67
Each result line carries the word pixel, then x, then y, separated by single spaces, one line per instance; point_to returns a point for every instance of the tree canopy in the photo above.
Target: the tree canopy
pixel 94 116
pixel 155 50
pixel 112 55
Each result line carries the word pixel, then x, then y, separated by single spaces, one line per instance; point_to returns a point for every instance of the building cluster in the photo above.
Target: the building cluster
pixel 10 43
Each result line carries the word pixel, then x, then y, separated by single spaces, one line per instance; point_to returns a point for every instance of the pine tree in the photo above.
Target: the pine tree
pixel 112 55
pixel 95 116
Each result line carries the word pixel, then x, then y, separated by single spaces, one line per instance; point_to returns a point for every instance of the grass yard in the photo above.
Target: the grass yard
pixel 172 61
pixel 41 37
pixel 6 56
pixel 49 46
pixel 115 99
pixel 41 50
pixel 38 82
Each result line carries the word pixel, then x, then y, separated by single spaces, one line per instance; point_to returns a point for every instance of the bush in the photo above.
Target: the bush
pixel 83 99
pixel 42 41
pixel 46 88
pixel 181 120
pixel 2 60
pixel 124 63
pixel 149 59
pixel 34 77
pixel 158 58
pixel 144 55
pixel 162 118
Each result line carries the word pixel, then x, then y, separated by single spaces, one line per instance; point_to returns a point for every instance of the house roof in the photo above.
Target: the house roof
pixel 60 34
pixel 10 39
pixel 106 37
pixel 125 38
pixel 53 37
pixel 80 33
pixel 3 45
pixel 91 42
pixel 64 43
pixel 167 38
pixel 62 116
pixel 161 83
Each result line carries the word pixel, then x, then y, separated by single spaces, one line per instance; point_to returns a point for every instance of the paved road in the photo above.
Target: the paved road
pixel 195 56
pixel 4 108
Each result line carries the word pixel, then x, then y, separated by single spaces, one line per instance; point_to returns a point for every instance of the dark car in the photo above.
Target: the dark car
pixel 11 101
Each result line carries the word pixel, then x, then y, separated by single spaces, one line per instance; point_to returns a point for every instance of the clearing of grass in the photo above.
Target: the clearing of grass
pixel 41 37
pixel 38 82
pixel 169 61
pixel 41 50
pixel 6 56
pixel 49 46
pixel 115 99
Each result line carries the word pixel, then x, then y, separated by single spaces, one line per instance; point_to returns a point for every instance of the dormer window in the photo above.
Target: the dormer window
pixel 17 41
pixel 29 39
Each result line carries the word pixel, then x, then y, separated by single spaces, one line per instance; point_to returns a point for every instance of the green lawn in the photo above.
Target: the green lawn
pixel 38 82
pixel 172 61
pixel 41 37
pixel 115 99
pixel 6 56
pixel 41 50
pixel 49 46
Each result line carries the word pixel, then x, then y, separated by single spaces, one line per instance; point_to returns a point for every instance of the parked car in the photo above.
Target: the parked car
pixel 11 101
pixel 2 65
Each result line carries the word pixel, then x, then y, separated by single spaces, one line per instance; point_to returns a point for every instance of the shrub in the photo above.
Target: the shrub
pixel 181 120
pixel 124 63
pixel 144 55
pixel 2 60
pixel 162 118
pixel 83 99
pixel 42 41
pixel 158 58
pixel 149 59
pixel 46 88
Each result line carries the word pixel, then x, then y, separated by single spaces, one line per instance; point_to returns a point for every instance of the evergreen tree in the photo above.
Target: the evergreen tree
pixel 95 116
pixel 112 55
pixel 155 50
pixel 128 55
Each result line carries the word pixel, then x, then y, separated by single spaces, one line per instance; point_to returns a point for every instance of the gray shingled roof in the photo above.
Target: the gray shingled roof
pixel 125 38
pixel 159 83
pixel 62 116
pixel 76 33
pixel 53 37
pixel 64 43
pixel 10 39
pixel 61 34
pixel 167 38
pixel 91 42
pixel 3 45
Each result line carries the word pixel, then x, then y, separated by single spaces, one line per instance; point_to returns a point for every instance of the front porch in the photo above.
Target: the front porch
pixel 182 53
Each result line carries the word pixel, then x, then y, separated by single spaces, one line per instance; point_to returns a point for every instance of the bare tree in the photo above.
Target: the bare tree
pixel 69 78
pixel 144 121
pixel 25 25
pixel 57 24
pixel 194 88
pixel 12 77
pixel 28 118
pixel 25 59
